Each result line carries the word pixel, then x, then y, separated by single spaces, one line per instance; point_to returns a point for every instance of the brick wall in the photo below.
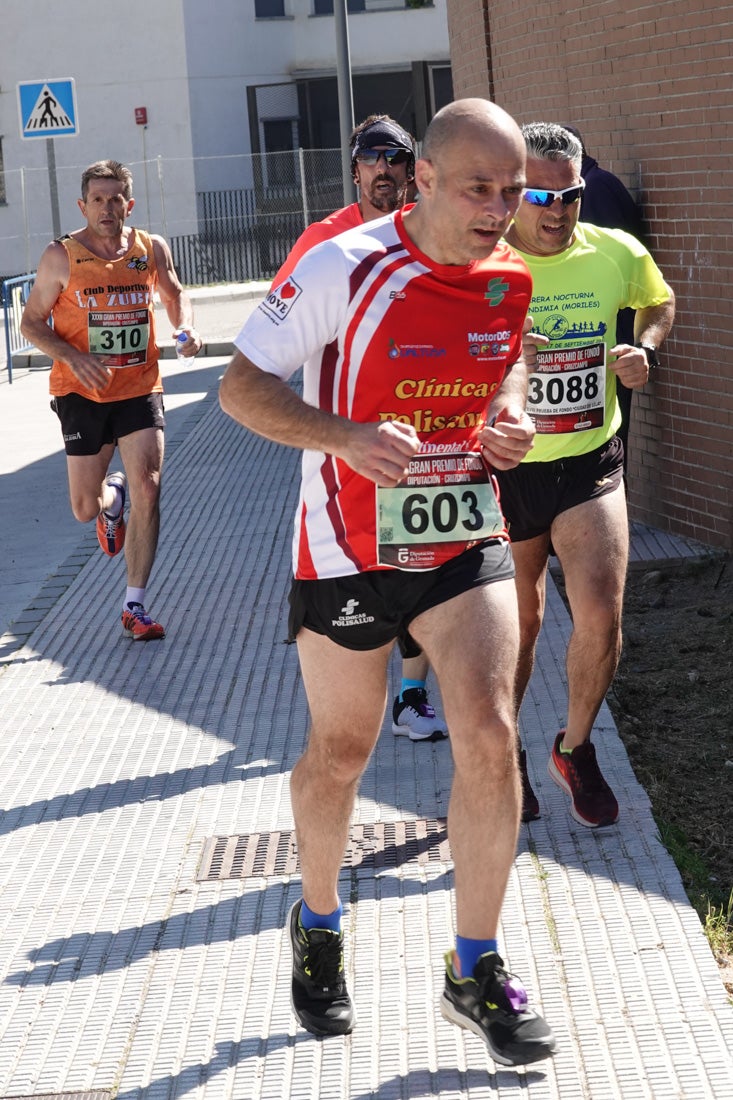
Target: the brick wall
pixel 650 86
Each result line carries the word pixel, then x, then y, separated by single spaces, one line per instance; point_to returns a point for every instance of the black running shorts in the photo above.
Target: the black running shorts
pixel 534 493
pixel 88 425
pixel 369 610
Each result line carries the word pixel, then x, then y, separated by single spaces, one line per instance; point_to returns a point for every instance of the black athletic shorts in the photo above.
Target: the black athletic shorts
pixel 88 425
pixel 534 493
pixel 368 610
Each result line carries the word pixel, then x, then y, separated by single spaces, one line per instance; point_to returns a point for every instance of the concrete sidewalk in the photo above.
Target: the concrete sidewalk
pixel 146 847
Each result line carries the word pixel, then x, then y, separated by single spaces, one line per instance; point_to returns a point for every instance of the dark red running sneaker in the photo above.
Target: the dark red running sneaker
pixel 593 803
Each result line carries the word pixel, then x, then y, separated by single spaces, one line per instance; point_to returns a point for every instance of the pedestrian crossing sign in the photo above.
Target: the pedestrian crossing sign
pixel 47 108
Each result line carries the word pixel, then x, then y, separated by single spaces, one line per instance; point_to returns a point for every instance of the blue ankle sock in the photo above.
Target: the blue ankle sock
pixel 332 921
pixel 407 684
pixel 470 951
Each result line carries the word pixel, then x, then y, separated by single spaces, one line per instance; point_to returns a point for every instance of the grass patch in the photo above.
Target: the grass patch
pixel 714 909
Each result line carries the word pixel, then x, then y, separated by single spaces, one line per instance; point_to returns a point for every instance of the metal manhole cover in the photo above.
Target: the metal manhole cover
pixel 381 845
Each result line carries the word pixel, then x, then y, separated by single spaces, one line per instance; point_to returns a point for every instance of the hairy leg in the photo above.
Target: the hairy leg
pixel 592 543
pixel 472 643
pixel 87 493
pixel 530 562
pixel 142 455
pixel 325 780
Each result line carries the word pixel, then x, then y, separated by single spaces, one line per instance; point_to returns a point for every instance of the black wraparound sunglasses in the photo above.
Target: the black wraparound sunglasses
pixel 370 157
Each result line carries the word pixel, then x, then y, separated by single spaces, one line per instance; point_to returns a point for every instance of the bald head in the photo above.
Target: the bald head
pixel 477 120
pixel 470 178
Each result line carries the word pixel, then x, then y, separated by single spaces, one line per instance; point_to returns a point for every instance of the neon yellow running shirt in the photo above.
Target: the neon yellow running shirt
pixel 576 296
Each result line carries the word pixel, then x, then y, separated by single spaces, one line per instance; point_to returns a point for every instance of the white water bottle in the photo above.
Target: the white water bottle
pixel 180 341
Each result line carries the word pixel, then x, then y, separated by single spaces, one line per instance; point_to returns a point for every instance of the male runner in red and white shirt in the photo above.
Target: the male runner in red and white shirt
pixel 414 388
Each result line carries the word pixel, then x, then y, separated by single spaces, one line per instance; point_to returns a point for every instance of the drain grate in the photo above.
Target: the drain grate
pixel 381 845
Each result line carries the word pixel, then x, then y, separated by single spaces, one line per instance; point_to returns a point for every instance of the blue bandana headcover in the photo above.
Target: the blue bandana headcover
pixel 384 133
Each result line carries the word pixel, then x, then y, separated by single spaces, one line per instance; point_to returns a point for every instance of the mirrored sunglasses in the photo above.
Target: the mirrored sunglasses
pixel 370 157
pixel 569 195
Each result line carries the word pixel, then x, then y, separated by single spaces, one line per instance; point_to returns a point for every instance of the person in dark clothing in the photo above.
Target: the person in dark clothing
pixel 606 202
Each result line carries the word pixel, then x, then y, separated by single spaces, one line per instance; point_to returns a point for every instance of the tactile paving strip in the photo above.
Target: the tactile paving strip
pixel 95 1095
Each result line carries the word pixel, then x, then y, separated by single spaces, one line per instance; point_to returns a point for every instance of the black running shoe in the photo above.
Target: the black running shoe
pixel 320 999
pixel 530 804
pixel 493 1005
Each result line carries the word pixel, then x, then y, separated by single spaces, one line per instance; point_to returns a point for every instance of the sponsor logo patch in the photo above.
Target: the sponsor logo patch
pixel 281 300
pixel 351 617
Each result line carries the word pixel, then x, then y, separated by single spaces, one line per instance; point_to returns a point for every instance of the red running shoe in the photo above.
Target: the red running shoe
pixel 593 802
pixel 138 625
pixel 111 529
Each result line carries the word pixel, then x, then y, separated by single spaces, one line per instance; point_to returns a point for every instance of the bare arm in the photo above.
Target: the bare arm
pixel 268 406
pixel 651 326
pixel 175 299
pixel 51 279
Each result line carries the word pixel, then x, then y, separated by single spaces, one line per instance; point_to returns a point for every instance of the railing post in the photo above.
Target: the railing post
pixel 162 197
pixel 8 353
pixel 26 226
pixel 303 187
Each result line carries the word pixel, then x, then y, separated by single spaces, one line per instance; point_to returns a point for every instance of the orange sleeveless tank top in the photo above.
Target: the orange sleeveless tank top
pixel 107 309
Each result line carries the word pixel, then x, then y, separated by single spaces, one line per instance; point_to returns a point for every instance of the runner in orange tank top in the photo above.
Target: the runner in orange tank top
pixel 91 310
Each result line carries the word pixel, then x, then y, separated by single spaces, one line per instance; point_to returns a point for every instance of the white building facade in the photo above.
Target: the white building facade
pixel 233 92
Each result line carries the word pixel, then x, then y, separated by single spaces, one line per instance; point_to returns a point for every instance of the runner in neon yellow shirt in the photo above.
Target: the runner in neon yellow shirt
pixel 567 496
pixel 572 396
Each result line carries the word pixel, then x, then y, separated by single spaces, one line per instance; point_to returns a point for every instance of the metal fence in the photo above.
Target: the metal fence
pixel 15 295
pixel 227 219
pixel 246 233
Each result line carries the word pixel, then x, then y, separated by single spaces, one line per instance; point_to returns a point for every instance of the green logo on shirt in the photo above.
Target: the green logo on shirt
pixel 495 290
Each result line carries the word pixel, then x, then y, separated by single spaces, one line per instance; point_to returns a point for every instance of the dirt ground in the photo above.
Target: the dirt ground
pixel 672 701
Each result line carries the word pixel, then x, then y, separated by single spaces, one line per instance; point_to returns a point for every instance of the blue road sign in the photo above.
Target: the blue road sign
pixel 47 108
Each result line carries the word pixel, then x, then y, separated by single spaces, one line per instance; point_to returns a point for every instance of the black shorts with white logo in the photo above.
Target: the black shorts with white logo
pixel 534 493
pixel 88 425
pixel 369 610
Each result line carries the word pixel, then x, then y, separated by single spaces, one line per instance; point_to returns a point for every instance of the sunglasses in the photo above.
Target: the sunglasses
pixel 568 195
pixel 370 157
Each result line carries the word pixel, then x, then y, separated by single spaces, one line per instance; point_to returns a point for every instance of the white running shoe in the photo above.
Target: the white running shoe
pixel 413 717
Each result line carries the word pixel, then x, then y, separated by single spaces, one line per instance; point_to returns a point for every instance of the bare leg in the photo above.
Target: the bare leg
pixel 415 668
pixel 472 643
pixel 142 455
pixel 87 492
pixel 530 561
pixel 592 544
pixel 325 780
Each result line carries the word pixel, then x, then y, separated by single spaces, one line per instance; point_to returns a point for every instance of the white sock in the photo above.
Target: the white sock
pixel 116 507
pixel 135 595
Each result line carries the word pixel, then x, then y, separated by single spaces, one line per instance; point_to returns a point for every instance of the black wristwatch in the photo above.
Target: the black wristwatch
pixel 651 354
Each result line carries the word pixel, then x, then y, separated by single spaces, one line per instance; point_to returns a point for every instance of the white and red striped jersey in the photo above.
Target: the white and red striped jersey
pixel 384 333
